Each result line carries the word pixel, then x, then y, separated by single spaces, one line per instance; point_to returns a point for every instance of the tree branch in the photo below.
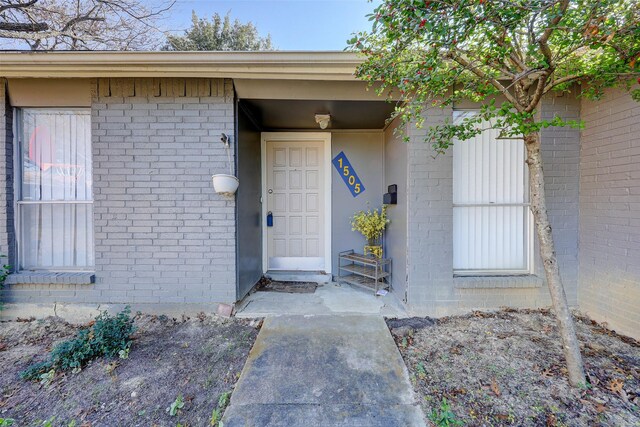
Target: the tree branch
pixel 17 5
pixel 26 27
pixel 478 72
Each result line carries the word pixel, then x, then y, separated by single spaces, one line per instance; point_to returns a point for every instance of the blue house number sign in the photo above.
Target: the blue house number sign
pixel 348 174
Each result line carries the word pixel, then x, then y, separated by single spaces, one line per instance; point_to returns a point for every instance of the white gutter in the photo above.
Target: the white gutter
pixel 247 65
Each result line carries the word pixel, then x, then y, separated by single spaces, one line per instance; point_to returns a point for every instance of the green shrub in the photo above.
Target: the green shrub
pixel 106 337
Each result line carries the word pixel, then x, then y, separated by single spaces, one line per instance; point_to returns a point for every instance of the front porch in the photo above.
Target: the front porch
pixel 328 299
pixel 293 206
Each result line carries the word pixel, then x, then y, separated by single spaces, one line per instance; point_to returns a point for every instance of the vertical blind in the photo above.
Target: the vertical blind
pixel 490 197
pixel 55 204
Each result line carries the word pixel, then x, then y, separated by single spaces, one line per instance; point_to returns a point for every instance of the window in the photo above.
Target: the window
pixel 54 189
pixel 491 217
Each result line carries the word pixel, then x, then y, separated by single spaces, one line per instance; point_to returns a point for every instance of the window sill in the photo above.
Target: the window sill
pixel 51 277
pixel 495 282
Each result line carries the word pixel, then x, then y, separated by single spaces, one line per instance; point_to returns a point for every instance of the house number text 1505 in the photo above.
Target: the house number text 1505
pixel 348 174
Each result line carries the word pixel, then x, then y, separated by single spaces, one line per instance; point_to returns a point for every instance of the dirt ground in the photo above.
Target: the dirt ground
pixel 198 358
pixel 507 368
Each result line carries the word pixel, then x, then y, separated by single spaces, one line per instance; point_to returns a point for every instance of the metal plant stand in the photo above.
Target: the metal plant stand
pixel 364 270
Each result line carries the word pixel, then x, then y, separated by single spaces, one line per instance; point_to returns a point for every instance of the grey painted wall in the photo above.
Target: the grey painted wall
pixel 365 152
pixel 561 157
pixel 248 205
pixel 161 234
pixel 432 288
pixel 610 212
pixel 395 172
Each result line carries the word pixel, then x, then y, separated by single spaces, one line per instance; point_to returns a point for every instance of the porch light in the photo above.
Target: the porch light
pixel 323 120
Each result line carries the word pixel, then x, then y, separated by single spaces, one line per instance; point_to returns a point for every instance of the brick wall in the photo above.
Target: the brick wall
pixel 561 156
pixel 430 223
pixel 432 288
pixel 161 234
pixel 7 235
pixel 610 212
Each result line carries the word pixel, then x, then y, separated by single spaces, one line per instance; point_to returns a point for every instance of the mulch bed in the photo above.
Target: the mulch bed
pixel 199 358
pixel 507 368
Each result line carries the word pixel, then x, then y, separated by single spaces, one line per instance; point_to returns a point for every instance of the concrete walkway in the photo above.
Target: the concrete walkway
pixel 324 371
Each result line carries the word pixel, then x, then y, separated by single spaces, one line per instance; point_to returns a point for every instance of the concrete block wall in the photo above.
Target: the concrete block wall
pixel 610 212
pixel 432 288
pixel 162 235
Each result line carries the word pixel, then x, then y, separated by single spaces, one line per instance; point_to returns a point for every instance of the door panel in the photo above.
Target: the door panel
pixel 295 195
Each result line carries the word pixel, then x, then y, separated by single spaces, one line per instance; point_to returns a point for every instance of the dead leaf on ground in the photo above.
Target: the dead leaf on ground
pixel 495 388
pixel 552 420
pixel 600 408
pixel 547 373
pixel 615 385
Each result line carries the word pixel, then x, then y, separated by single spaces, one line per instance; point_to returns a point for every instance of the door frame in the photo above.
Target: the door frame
pixel 325 138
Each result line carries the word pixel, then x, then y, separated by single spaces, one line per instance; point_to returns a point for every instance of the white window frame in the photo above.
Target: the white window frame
pixel 528 238
pixel 18 125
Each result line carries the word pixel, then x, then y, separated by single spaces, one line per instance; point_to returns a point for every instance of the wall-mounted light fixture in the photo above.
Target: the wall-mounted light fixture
pixel 323 120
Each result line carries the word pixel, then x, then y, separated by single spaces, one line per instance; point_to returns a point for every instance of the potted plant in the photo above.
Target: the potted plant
pixel 225 184
pixel 371 224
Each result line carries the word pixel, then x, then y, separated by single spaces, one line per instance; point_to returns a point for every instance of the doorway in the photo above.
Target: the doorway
pixel 296 198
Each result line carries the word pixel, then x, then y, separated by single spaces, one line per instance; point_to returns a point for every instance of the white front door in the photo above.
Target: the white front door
pixel 296 218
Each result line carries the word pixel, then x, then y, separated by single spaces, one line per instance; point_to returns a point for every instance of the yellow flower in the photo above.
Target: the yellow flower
pixel 370 224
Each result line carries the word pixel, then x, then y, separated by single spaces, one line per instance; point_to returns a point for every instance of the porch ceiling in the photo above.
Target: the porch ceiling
pixel 272 114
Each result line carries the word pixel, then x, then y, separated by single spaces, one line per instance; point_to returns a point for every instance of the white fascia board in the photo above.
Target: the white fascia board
pixel 262 65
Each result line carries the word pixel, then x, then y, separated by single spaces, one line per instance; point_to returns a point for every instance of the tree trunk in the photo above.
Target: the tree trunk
pixel 570 344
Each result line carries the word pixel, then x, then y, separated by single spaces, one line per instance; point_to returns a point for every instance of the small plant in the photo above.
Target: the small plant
pixel 216 414
pixel 444 417
pixel 175 407
pixel 108 336
pixel 371 225
pixel 422 372
pixel 124 353
pixel 6 422
pixel 47 377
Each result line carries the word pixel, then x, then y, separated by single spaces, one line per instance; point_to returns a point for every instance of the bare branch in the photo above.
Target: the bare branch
pixel 24 27
pixel 84 24
pixel 17 5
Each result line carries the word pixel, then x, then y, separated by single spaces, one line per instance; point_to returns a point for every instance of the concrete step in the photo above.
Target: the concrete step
pixel 299 276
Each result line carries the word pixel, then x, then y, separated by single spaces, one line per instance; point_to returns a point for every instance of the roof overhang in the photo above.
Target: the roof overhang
pixel 335 66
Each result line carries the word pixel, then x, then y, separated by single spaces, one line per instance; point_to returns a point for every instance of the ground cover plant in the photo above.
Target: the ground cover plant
pixel 176 372
pixel 107 336
pixel 506 368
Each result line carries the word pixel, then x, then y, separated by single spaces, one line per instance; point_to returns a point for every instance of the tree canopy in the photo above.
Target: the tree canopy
pixel 438 52
pixel 81 24
pixel 505 55
pixel 219 34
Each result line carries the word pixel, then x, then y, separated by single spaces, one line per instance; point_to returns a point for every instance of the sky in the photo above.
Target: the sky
pixel 293 24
